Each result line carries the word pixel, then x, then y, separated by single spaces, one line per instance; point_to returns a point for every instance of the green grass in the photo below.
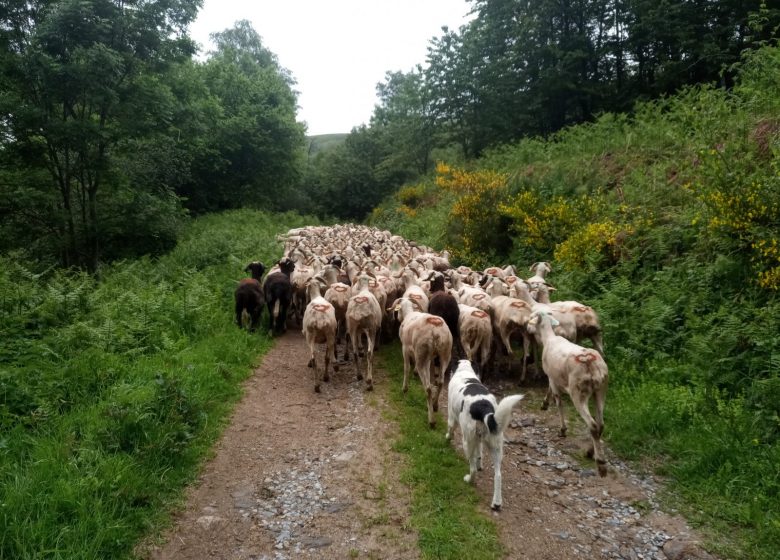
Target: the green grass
pixel 113 391
pixel 445 510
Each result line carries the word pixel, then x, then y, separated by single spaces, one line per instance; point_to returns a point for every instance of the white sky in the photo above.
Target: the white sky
pixel 337 50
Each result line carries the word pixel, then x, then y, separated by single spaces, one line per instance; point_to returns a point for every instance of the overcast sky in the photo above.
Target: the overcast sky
pixel 337 50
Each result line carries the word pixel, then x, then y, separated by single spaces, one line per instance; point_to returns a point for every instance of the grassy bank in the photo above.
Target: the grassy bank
pixel 113 390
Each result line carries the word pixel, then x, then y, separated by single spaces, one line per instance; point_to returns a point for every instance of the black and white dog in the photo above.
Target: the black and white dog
pixel 481 421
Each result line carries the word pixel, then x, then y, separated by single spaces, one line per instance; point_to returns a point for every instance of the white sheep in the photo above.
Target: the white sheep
pixel 476 336
pixel 510 315
pixel 540 270
pixel 586 319
pixel 427 342
pixel 364 317
pixel 319 326
pixel 413 290
pixel 580 372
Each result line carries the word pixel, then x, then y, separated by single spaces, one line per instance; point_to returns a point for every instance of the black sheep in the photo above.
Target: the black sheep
pixel 444 305
pixel 249 296
pixel 278 292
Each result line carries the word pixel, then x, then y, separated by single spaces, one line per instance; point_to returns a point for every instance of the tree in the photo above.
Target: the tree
pixel 405 117
pixel 79 76
pixel 252 147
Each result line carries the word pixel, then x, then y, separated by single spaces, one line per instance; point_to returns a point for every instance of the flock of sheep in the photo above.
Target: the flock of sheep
pixel 364 285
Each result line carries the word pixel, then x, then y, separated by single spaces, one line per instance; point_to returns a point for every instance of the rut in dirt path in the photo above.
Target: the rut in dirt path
pixel 303 475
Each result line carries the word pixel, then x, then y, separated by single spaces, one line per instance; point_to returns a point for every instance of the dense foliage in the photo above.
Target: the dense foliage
pixel 112 391
pixel 109 130
pixel 667 223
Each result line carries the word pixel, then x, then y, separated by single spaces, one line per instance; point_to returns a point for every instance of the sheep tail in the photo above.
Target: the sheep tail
pixel 504 410
pixel 276 308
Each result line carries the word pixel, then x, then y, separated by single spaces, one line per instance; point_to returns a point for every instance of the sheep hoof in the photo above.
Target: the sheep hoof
pixel 432 424
pixel 326 377
pixel 359 376
pixel 602 466
pixel 562 433
pixel 311 362
pixel 467 478
pixel 589 453
pixel 545 405
pixel 436 407
pixel 316 388
pixel 369 386
pixel 335 367
pixel 496 507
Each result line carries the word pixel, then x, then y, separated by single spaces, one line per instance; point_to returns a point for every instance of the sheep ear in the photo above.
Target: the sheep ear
pixel 551 288
pixel 533 266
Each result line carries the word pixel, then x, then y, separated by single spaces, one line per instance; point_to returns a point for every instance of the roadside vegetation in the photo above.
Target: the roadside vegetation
pixel 667 223
pixel 113 390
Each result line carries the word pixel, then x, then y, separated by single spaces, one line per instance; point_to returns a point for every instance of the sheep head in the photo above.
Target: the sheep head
pixel 256 268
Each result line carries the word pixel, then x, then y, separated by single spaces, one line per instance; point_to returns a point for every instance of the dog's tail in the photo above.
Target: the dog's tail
pixel 483 411
pixel 504 412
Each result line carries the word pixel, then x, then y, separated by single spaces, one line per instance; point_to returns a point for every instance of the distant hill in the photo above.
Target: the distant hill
pixel 323 142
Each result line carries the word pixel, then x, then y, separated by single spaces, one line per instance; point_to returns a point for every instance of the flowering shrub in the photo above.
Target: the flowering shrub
pixel 541 226
pixel 411 195
pixel 603 239
pixel 478 193
pixel 742 206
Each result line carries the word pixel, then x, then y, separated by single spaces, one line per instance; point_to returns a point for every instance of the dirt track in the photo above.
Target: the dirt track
pixel 305 475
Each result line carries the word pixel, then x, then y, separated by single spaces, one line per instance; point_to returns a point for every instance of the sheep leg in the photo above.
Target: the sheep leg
pixel 596 451
pixel 559 404
pixel 256 315
pixel 407 365
pixel 424 370
pixel 312 361
pixel 332 349
pixel 355 339
pixel 239 312
pixel 271 305
pixel 507 344
pixel 328 353
pixel 370 362
pixel 526 354
pixel 546 401
pixel 438 379
pixel 281 320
